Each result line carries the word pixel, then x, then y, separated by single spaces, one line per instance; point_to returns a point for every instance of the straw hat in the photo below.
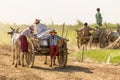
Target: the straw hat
pixel 31 27
pixel 53 31
pixel 37 21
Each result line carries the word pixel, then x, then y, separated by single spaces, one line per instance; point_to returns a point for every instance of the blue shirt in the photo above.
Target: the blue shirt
pixel 53 41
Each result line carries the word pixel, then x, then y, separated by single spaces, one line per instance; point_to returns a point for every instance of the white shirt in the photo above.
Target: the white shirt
pixel 44 34
pixel 27 32
pixel 40 28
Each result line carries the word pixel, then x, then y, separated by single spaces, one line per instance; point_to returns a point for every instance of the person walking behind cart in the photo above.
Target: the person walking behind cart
pixel 99 18
pixel 54 48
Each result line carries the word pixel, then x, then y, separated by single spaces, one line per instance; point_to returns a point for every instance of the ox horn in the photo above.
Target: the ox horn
pixel 18 28
pixel 11 28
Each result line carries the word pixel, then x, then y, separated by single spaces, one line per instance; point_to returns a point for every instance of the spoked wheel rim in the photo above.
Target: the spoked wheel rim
pixel 30 59
pixel 31 55
pixel 63 56
pixel 102 42
pixel 63 59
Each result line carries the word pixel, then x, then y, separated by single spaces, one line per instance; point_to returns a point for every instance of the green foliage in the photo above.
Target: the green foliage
pixel 100 55
pixel 116 59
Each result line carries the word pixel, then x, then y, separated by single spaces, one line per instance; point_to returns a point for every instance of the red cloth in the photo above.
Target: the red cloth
pixel 24 43
pixel 54 51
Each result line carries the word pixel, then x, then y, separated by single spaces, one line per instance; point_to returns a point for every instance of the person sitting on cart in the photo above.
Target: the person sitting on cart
pixel 85 30
pixel 40 29
pixel 23 38
pixel 54 42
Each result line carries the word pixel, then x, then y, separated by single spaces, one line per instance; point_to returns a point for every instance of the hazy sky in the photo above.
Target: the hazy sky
pixel 25 11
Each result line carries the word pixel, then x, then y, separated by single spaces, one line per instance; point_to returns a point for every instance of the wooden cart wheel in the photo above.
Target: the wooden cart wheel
pixel 102 41
pixel 31 55
pixel 63 59
pixel 30 59
pixel 63 56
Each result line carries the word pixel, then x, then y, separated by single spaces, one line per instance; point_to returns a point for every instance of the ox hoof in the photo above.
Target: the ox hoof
pixel 50 65
pixel 13 63
pixel 19 63
pixel 30 66
pixel 22 65
pixel 45 63
pixel 16 66
pixel 54 64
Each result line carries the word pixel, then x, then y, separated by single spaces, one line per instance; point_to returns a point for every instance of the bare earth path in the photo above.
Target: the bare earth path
pixel 73 71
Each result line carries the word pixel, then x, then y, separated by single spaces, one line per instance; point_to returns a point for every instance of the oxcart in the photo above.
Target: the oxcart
pixel 81 40
pixel 99 36
pixel 41 47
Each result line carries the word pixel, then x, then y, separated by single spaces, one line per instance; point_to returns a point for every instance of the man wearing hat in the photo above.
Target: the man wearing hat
pixel 39 27
pixel 53 42
pixel 23 38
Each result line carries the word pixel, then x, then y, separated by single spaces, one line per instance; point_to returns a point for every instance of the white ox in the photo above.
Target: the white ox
pixel 16 47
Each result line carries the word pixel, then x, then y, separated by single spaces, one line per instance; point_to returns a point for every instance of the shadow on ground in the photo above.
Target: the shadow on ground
pixel 68 68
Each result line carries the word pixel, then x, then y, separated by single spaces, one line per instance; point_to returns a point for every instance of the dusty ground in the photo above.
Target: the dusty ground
pixel 73 71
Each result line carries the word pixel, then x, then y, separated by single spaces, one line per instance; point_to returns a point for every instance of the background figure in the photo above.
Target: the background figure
pixel 86 30
pixel 98 17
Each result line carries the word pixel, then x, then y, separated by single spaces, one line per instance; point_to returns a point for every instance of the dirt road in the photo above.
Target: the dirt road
pixel 74 70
